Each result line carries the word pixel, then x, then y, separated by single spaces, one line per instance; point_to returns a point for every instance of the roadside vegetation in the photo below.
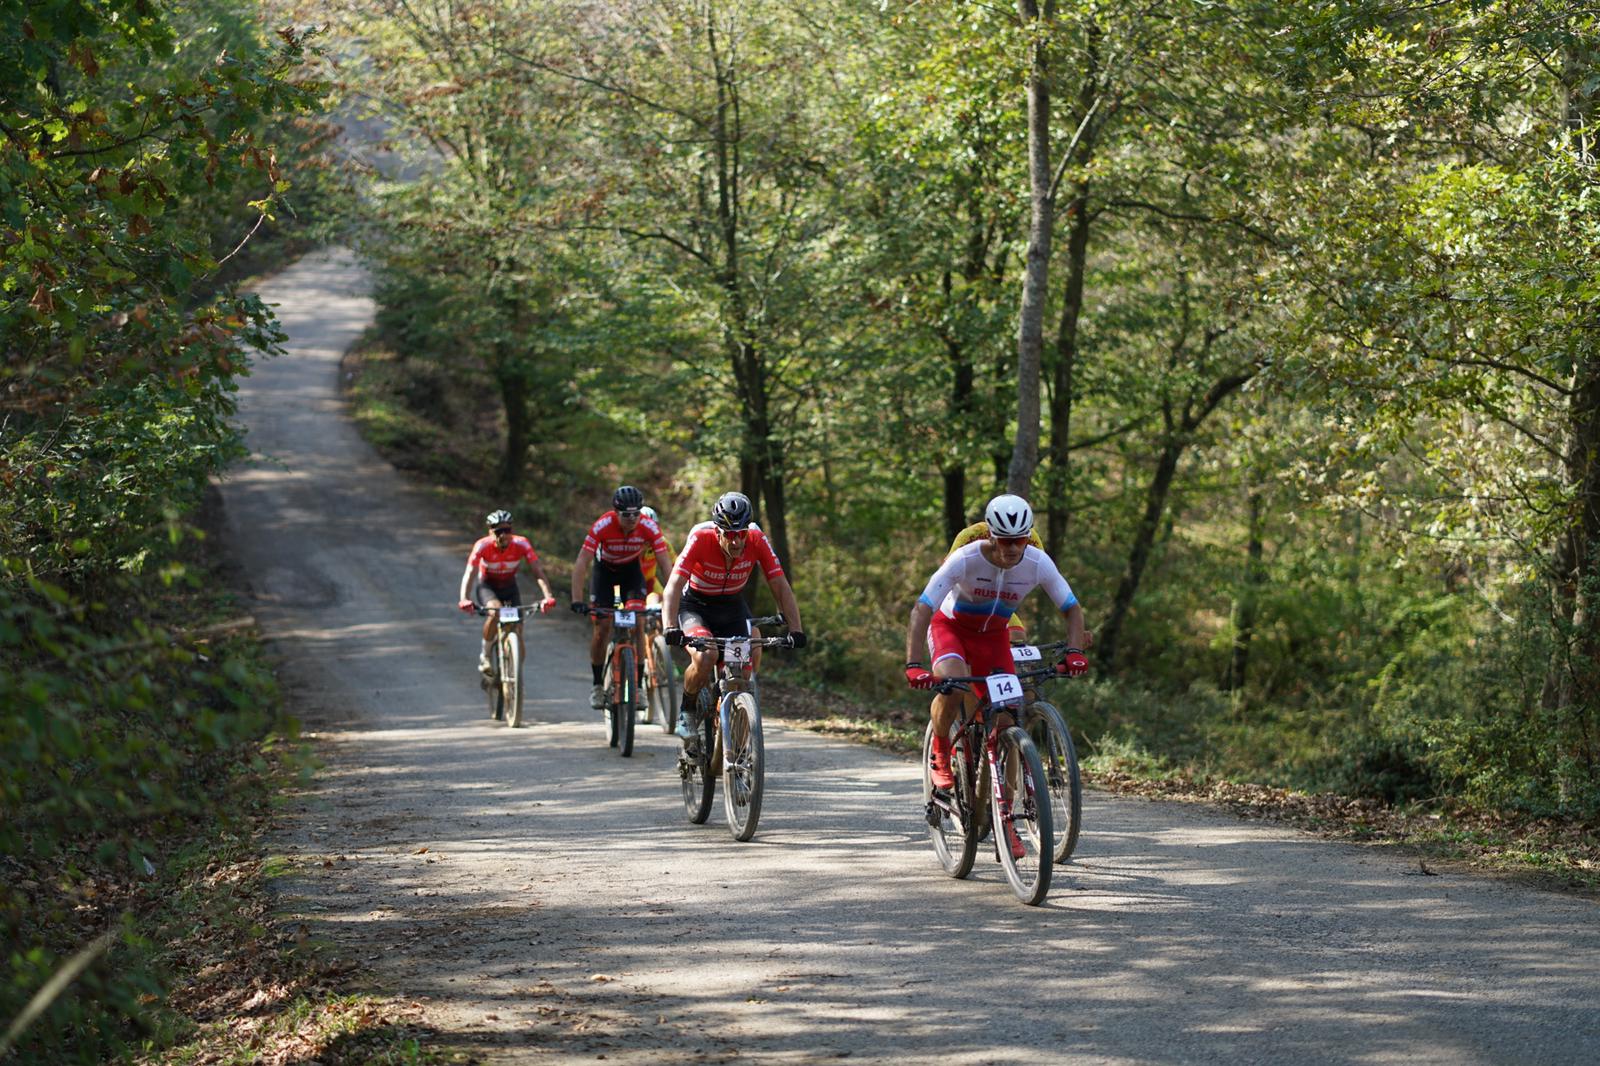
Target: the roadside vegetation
pixel 151 155
pixel 1282 315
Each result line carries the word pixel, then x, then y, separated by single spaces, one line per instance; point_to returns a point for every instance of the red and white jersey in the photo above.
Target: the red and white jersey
pixel 497 565
pixel 711 573
pixel 973 592
pixel 608 543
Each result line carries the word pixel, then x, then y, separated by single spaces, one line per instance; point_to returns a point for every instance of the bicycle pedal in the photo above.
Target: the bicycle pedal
pixel 934 814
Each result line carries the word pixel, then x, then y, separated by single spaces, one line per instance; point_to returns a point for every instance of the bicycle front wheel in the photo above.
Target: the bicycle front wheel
pixel 608 682
pixel 1049 733
pixel 622 712
pixel 1020 802
pixel 952 814
pixel 491 687
pixel 511 679
pixel 743 765
pixel 694 767
pixel 665 673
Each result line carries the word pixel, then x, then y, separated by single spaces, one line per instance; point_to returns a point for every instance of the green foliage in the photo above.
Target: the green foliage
pixel 1338 274
pixel 139 146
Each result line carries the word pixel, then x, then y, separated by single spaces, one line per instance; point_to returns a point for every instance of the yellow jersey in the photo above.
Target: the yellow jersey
pixel 647 563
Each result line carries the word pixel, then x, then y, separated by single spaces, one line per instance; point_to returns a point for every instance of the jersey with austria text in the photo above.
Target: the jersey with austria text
pixel 611 545
pixel 497 565
pixel 711 573
pixel 975 593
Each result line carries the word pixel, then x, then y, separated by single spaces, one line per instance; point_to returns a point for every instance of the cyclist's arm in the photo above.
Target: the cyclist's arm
pixel 663 563
pixel 670 597
pixel 536 568
pixel 1075 631
pixel 917 632
pixel 580 572
pixel 467 582
pixel 786 602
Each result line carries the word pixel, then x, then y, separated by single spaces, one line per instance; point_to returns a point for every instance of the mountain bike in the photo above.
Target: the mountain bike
pixel 999 784
pixel 1047 728
pixel 503 685
pixel 624 652
pixel 661 684
pixel 728 743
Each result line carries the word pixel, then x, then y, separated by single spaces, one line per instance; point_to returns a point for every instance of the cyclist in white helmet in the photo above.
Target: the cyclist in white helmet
pixel 965 608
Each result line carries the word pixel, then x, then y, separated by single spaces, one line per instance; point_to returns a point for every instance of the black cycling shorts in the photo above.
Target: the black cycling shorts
pixel 508 595
pixel 717 616
pixel 628 576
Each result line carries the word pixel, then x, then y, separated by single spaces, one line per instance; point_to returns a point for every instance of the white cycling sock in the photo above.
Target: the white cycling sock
pixel 486 649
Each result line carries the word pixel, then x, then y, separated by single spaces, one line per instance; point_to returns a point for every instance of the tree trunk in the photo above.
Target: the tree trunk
pixel 1036 274
pixel 1155 505
pixel 1177 438
pixel 514 397
pixel 1055 503
pixel 1247 602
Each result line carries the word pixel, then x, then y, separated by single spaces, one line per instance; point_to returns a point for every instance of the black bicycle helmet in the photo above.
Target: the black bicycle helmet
pixel 498 518
pixel 627 498
pixel 732 511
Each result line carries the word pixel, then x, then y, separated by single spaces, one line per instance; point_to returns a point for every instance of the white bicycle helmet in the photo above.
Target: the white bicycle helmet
pixel 1009 516
pixel 498 518
pixel 650 512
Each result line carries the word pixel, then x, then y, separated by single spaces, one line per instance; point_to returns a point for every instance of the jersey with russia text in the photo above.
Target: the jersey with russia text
pixel 975 593
pixel 611 545
pixel 497 565
pixel 711 573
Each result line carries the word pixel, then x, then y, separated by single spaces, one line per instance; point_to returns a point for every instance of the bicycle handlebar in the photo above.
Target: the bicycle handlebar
pixel 723 642
pixel 591 609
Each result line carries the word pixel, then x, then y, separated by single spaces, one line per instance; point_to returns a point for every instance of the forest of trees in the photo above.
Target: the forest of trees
pixel 1282 314
pixel 1286 316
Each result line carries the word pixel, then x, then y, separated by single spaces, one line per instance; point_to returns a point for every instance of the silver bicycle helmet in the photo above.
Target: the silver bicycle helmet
pixel 498 518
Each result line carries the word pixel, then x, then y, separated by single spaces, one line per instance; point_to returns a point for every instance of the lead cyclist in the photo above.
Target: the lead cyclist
pixel 965 610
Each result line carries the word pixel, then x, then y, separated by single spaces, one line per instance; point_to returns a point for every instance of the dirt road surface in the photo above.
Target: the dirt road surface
pixel 547 901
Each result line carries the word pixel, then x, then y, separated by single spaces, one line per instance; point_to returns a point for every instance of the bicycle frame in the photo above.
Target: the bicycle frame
pixel 982 727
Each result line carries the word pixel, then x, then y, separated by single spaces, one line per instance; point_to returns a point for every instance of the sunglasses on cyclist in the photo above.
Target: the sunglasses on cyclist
pixel 732 534
pixel 1011 542
pixel 627 514
pixel 501 529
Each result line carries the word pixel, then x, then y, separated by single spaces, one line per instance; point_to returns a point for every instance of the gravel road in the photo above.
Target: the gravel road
pixel 547 901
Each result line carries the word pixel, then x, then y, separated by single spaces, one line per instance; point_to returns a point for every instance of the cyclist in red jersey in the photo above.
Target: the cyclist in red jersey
pixel 614 545
pixel 490 579
pixel 703 595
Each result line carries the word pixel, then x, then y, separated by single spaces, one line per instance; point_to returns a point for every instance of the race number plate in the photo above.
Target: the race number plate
pixel 736 652
pixel 1025 653
pixel 510 614
pixel 1004 690
pixel 625 619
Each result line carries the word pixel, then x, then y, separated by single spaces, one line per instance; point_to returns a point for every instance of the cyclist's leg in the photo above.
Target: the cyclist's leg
pixel 702 661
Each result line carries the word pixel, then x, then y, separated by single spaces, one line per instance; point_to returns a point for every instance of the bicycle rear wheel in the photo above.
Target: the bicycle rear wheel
pixel 1020 803
pixel 1049 733
pixel 622 712
pixel 665 684
pixel 743 766
pixel 952 815
pixel 694 766
pixel 511 679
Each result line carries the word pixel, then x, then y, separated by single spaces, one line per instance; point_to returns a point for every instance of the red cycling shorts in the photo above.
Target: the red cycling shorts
pixel 986 652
